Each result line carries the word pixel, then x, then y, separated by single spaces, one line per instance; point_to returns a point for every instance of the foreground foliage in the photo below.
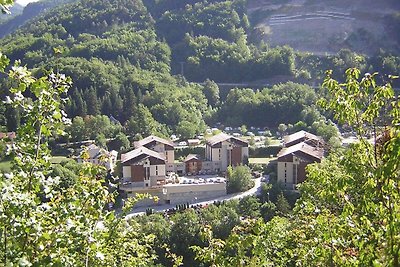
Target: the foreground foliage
pixel 349 210
pixel 42 224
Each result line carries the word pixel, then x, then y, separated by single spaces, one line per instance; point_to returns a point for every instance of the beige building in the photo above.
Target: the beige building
pixel 292 161
pixel 99 156
pixel 142 168
pixel 160 145
pixel 182 193
pixel 227 151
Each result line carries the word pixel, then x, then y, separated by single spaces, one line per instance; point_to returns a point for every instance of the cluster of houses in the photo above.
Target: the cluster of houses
pixel 151 167
pixel 299 150
pixel 153 159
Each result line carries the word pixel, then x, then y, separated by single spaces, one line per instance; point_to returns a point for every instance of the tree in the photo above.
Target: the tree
pixel 282 205
pixel 121 142
pixel 101 140
pixel 211 92
pixel 282 128
pixel 184 234
pixel 348 213
pixel 249 206
pixel 243 129
pixel 268 210
pixel 41 225
pixel 239 179
pixel 221 218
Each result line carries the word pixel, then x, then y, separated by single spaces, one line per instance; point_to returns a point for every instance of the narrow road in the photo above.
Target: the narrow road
pixel 253 191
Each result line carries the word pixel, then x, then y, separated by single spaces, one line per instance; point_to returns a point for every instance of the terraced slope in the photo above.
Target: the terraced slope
pixel 325 26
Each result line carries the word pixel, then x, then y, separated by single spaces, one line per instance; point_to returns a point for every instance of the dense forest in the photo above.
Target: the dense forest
pixel 122 57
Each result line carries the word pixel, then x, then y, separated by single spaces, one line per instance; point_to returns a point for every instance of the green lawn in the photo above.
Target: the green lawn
pixel 5 166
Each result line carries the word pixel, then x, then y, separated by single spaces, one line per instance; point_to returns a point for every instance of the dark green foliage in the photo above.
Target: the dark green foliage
pixel 250 206
pixel 239 179
pixel 268 210
pixel 282 103
pixel 222 219
pixel 282 205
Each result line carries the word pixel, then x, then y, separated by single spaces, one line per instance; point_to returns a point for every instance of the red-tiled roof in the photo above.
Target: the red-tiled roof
pixel 152 138
pixel 141 151
pixel 315 152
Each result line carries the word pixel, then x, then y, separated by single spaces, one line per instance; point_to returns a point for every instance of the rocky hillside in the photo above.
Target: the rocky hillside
pixel 326 26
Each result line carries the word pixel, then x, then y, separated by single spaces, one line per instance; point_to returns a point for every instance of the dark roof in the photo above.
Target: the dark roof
pixel 139 152
pixel 192 156
pixel 300 135
pixel 152 138
pixel 221 137
pixel 314 152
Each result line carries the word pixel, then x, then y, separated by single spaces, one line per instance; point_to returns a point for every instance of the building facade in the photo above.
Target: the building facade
pixel 143 168
pixel 227 151
pixel 295 156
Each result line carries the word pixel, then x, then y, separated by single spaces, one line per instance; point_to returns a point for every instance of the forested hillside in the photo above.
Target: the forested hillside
pixel 122 56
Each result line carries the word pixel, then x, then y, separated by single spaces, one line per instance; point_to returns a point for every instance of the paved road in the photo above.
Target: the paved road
pixel 255 190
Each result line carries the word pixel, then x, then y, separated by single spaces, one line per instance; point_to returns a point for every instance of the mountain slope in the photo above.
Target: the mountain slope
pixel 326 26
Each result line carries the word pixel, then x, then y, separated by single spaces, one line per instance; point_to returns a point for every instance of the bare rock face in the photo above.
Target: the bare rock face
pixel 325 26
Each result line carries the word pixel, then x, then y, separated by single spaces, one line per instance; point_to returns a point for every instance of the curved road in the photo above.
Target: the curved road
pixel 255 190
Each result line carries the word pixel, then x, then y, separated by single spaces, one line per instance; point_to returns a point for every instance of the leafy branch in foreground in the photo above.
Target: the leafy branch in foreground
pixel 40 224
pixel 349 210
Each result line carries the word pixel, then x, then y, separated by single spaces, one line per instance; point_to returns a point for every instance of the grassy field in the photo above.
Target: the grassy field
pixel 5 166
pixel 260 160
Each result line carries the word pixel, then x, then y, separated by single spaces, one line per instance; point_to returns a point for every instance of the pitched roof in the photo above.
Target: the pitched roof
pixel 141 151
pixel 222 137
pixel 192 156
pixel 152 138
pixel 96 152
pixel 317 153
pixel 301 134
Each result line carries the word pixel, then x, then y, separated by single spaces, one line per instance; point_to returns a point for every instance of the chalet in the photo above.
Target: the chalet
pixel 99 156
pixel 143 168
pixel 226 150
pixel 158 144
pixel 303 136
pixel 292 162
pixel 193 164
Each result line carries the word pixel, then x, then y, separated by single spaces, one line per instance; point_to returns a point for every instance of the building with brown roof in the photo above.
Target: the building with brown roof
pixel 193 164
pixel 143 168
pixel 160 145
pixel 292 162
pixel 226 150
pixel 303 136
